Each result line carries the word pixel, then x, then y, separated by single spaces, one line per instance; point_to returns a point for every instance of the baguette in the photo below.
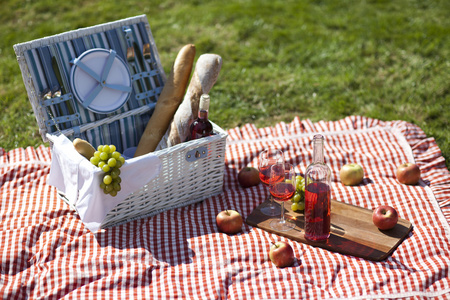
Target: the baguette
pixel 204 77
pixel 168 102
pixel 84 148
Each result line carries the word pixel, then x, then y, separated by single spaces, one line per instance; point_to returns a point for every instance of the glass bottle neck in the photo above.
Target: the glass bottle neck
pixel 203 107
pixel 318 149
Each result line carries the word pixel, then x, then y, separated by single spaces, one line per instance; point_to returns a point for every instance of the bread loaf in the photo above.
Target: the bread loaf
pixel 168 102
pixel 84 148
pixel 203 79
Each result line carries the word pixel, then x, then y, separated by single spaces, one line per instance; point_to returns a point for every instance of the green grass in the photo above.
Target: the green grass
pixel 322 60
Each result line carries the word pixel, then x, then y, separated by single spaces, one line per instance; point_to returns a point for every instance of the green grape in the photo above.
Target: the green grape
pixel 294 206
pixel 112 162
pixel 118 163
pixel 107 179
pixel 116 186
pixel 115 155
pixel 301 205
pixel 104 155
pixel 115 173
pixel 297 198
pixel 95 160
pixel 109 160
pixel 300 183
pixel 106 149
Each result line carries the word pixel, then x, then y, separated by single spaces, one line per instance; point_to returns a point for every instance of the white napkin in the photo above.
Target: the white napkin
pixel 76 177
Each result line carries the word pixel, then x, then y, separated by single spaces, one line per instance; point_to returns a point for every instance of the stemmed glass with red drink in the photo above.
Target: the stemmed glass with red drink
pixel 282 188
pixel 267 159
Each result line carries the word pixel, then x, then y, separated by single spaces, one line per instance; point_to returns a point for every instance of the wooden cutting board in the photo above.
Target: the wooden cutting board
pixel 352 231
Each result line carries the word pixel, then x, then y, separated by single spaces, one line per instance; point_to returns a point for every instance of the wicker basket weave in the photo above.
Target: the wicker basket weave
pixel 191 171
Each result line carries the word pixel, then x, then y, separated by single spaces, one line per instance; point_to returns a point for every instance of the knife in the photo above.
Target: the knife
pixel 60 81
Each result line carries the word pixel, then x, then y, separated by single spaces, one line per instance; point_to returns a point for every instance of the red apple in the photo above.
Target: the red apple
pixel 351 174
pixel 385 217
pixel 281 254
pixel 408 173
pixel 229 221
pixel 248 177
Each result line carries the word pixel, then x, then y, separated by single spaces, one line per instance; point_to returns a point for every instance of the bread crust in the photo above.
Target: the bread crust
pixel 168 102
pixel 84 148
pixel 205 75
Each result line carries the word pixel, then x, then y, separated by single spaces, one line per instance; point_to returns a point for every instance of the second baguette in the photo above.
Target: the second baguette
pixel 203 79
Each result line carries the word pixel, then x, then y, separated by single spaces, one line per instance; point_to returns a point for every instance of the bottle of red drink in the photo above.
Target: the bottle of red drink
pixel 317 194
pixel 201 127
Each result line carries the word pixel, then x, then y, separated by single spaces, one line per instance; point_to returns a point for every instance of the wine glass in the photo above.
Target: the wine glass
pixel 267 159
pixel 282 188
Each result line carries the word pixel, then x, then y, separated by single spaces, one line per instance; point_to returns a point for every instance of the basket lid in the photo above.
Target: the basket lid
pixel 82 83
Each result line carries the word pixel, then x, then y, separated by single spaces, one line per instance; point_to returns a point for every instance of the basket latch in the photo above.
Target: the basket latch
pixel 196 153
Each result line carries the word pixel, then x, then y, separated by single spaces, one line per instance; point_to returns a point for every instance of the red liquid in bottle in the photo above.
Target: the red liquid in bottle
pixel 282 191
pixel 317 211
pixel 201 127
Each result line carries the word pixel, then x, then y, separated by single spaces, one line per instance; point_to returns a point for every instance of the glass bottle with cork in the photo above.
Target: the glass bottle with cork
pixel 317 194
pixel 202 127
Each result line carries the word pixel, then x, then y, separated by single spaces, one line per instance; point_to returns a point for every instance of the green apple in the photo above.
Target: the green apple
pixel 351 174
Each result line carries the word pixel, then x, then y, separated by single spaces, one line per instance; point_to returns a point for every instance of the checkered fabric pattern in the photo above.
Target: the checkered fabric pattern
pixel 47 253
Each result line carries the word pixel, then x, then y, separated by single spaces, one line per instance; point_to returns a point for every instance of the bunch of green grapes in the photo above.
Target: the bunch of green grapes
pixel 109 160
pixel 298 201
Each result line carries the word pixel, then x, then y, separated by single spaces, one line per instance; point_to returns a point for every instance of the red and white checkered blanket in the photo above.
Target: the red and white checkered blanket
pixel 46 252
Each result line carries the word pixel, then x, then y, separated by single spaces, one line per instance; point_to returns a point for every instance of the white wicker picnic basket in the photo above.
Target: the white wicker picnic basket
pixel 191 171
